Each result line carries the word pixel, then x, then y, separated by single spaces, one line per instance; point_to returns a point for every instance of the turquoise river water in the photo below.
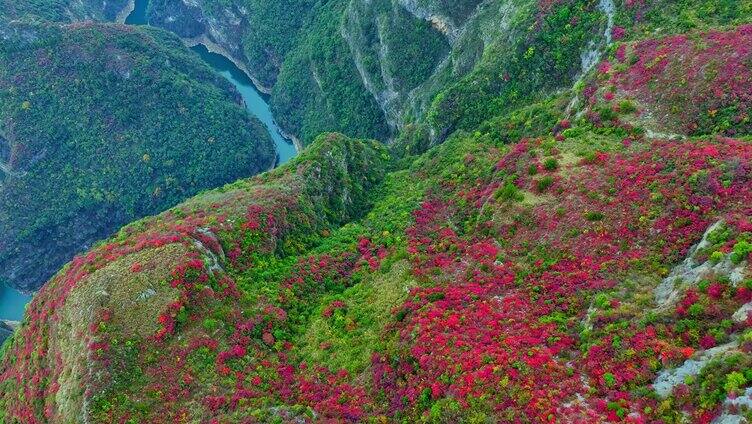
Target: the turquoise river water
pixel 12 302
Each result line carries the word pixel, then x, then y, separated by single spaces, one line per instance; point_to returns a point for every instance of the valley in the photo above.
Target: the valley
pixel 512 211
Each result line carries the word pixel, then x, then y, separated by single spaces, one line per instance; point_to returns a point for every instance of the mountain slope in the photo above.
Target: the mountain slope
pixel 575 254
pixel 95 125
pixel 377 68
pixel 62 10
pixel 435 306
pixel 197 250
pixel 371 68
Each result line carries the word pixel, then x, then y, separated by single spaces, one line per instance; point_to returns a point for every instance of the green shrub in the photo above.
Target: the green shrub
pixel 741 251
pixel 594 216
pixel 734 382
pixel 627 106
pixel 602 301
pixel 551 164
pixel 703 285
pixel 509 192
pixel 544 183
pixel 696 310
pixel 716 257
pixel 433 297
pixel 211 324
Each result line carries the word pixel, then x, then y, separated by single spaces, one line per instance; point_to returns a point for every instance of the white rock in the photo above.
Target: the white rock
pixel 741 315
pixel 741 402
pixel 150 292
pixel 668 379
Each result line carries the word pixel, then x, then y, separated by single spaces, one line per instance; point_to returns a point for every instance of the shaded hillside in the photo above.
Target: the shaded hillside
pixel 100 125
pixel 62 10
pixel 371 68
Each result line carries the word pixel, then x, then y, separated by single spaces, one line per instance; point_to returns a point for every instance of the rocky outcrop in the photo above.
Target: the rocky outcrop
pixel 669 379
pixel 236 28
pixel 375 33
pixel 691 271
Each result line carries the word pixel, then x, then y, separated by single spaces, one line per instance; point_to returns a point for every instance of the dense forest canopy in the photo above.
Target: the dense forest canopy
pixel 101 125
pixel 62 10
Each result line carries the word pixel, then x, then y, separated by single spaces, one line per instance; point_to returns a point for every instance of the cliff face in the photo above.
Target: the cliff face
pixel 370 68
pixel 101 125
pixel 256 33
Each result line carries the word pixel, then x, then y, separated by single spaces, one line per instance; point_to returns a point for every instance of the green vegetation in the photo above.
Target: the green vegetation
pixel 319 88
pixel 265 32
pixel 61 10
pixel 100 125
pixel 522 253
pixel 653 18
pixel 544 56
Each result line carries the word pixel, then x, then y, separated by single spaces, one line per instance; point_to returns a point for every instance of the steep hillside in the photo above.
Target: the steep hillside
pixel 369 68
pixel 257 33
pixel 207 268
pixel 376 68
pixel 62 10
pixel 600 278
pixel 101 125
pixel 565 236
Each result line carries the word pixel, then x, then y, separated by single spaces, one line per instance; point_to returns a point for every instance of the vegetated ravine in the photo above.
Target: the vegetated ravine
pixel 12 302
pixel 254 101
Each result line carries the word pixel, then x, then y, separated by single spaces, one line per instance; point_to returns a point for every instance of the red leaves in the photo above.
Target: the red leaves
pixel 472 325
pixel 371 254
pixel 716 290
pixel 689 299
pixel 234 352
pixel 618 32
pixel 707 341
pixel 167 320
pixel 687 352
pixel 215 403
pixel 334 306
pixel 484 251
pixel 692 82
pixel 268 338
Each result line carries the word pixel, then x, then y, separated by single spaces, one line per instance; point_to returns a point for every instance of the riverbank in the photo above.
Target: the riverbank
pixel 215 48
pixel 123 14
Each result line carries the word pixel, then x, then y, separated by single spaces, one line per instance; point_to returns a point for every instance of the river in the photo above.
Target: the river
pixel 256 103
pixel 12 302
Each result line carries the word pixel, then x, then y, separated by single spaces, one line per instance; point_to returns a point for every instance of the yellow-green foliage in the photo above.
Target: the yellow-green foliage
pixel 347 340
